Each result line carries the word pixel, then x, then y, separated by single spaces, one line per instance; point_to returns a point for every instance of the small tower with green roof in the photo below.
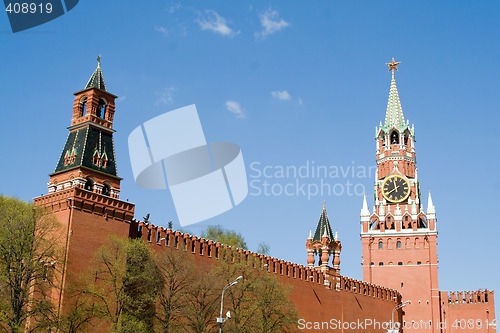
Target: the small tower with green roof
pixel 88 157
pixel 324 244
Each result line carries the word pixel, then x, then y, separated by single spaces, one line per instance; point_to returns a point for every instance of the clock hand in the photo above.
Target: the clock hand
pixel 394 189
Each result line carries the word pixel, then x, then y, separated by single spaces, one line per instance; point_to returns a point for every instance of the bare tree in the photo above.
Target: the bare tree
pixel 178 275
pixel 203 302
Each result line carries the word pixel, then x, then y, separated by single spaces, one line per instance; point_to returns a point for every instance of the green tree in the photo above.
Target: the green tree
pixel 29 251
pixel 223 236
pixel 276 313
pixel 142 282
pixel 125 285
pixel 259 302
pixel 263 248
pixel 108 286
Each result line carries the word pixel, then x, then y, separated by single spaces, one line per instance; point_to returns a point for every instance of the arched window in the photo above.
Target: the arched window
pixel 101 108
pixel 400 263
pixel 380 245
pixel 89 184
pixel 106 189
pixel 381 263
pixel 398 245
pixel 83 106
pixel 394 137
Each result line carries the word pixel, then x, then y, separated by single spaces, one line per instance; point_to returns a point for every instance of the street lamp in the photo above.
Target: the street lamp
pixel 221 320
pixel 399 306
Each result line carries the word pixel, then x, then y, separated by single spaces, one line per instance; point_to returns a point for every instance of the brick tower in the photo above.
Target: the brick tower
pixel 324 245
pixel 83 191
pixel 399 239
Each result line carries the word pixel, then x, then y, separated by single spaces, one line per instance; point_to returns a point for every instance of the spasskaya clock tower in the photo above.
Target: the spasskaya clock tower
pixel 399 239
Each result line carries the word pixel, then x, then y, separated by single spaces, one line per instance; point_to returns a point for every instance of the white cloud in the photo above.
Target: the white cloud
pixel 165 96
pixel 215 23
pixel 173 8
pixel 281 95
pixel 235 108
pixel 162 30
pixel 271 23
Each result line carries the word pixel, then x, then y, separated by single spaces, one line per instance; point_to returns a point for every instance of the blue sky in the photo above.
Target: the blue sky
pixel 292 83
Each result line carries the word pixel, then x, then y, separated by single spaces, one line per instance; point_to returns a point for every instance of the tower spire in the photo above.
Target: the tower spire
pixel 394 112
pixel 323 227
pixel 97 79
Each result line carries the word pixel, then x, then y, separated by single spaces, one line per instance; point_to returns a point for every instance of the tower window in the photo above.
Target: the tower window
pixel 106 190
pixel 380 245
pixel 381 263
pixel 89 184
pixel 101 109
pixel 422 222
pixel 83 106
pixel 400 263
pixel 394 137
pixel 398 245
pixel 419 263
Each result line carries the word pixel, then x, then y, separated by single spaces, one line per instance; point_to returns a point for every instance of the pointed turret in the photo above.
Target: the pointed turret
pixel 323 226
pixel 97 79
pixel 431 209
pixel 365 212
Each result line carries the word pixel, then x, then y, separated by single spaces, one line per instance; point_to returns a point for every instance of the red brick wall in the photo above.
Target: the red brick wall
pixel 468 311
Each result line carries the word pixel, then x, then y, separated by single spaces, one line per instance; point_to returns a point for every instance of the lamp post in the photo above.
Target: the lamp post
pixel 399 306
pixel 220 319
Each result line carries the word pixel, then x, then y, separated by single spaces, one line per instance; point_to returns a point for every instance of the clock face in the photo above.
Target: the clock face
pixel 395 188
